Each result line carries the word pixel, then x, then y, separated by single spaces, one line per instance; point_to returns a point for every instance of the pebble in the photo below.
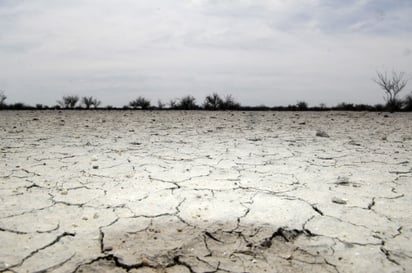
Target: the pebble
pixel 320 133
pixel 339 201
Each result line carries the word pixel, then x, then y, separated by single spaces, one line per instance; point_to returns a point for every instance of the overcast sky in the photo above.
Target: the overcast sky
pixel 260 51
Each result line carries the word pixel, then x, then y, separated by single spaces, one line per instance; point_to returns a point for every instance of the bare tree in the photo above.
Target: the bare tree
pixel 213 102
pixel 2 98
pixel 392 85
pixel 87 101
pixel 90 101
pixel 68 101
pixel 140 102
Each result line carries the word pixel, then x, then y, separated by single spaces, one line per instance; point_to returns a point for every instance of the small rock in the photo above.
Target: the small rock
pixel 135 143
pixel 254 139
pixel 95 167
pixel 343 181
pixel 320 133
pixel 354 143
pixel 339 201
pixel 107 248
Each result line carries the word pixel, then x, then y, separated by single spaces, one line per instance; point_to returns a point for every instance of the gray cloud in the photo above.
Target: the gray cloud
pixel 262 52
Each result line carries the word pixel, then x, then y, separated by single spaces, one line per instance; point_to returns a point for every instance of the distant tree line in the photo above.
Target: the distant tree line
pixel 212 102
pixel 392 85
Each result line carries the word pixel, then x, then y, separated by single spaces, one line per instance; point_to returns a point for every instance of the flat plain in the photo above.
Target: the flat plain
pixel 175 191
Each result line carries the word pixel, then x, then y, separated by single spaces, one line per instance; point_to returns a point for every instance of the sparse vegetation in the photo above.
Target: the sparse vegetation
pixel 407 103
pixel 392 86
pixel 187 103
pixel 19 106
pixel 68 101
pixel 140 103
pixel 90 102
pixel 3 98
pixel 213 102
pixel 172 104
pixel 229 103
pixel 302 106
pixel 160 105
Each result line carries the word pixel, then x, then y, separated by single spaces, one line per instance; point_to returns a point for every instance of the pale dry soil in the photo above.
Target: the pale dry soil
pixel 124 191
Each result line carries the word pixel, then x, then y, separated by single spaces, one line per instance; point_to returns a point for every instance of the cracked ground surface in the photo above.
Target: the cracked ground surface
pixel 123 191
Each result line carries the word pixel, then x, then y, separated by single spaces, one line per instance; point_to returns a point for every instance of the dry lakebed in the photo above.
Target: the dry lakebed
pixel 176 191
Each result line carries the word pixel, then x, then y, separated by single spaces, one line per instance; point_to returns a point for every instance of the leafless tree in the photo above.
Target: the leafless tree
pixel 90 101
pixel 2 98
pixel 68 101
pixel 87 101
pixel 392 86
pixel 213 102
pixel 141 103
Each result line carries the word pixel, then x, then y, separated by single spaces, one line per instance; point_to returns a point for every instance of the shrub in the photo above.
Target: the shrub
pixel 187 103
pixel 302 106
pixel 173 104
pixel 343 106
pixel 18 106
pixel 213 102
pixel 379 107
pixel 2 99
pixel 407 103
pixel 140 103
pixel 229 103
pixel 160 104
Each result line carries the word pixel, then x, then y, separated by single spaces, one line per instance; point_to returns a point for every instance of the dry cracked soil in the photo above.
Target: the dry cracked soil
pixel 172 191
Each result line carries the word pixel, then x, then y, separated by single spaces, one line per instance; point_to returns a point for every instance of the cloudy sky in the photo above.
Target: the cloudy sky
pixel 260 51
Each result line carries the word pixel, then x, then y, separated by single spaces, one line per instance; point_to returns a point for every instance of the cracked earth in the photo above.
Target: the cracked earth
pixel 123 191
